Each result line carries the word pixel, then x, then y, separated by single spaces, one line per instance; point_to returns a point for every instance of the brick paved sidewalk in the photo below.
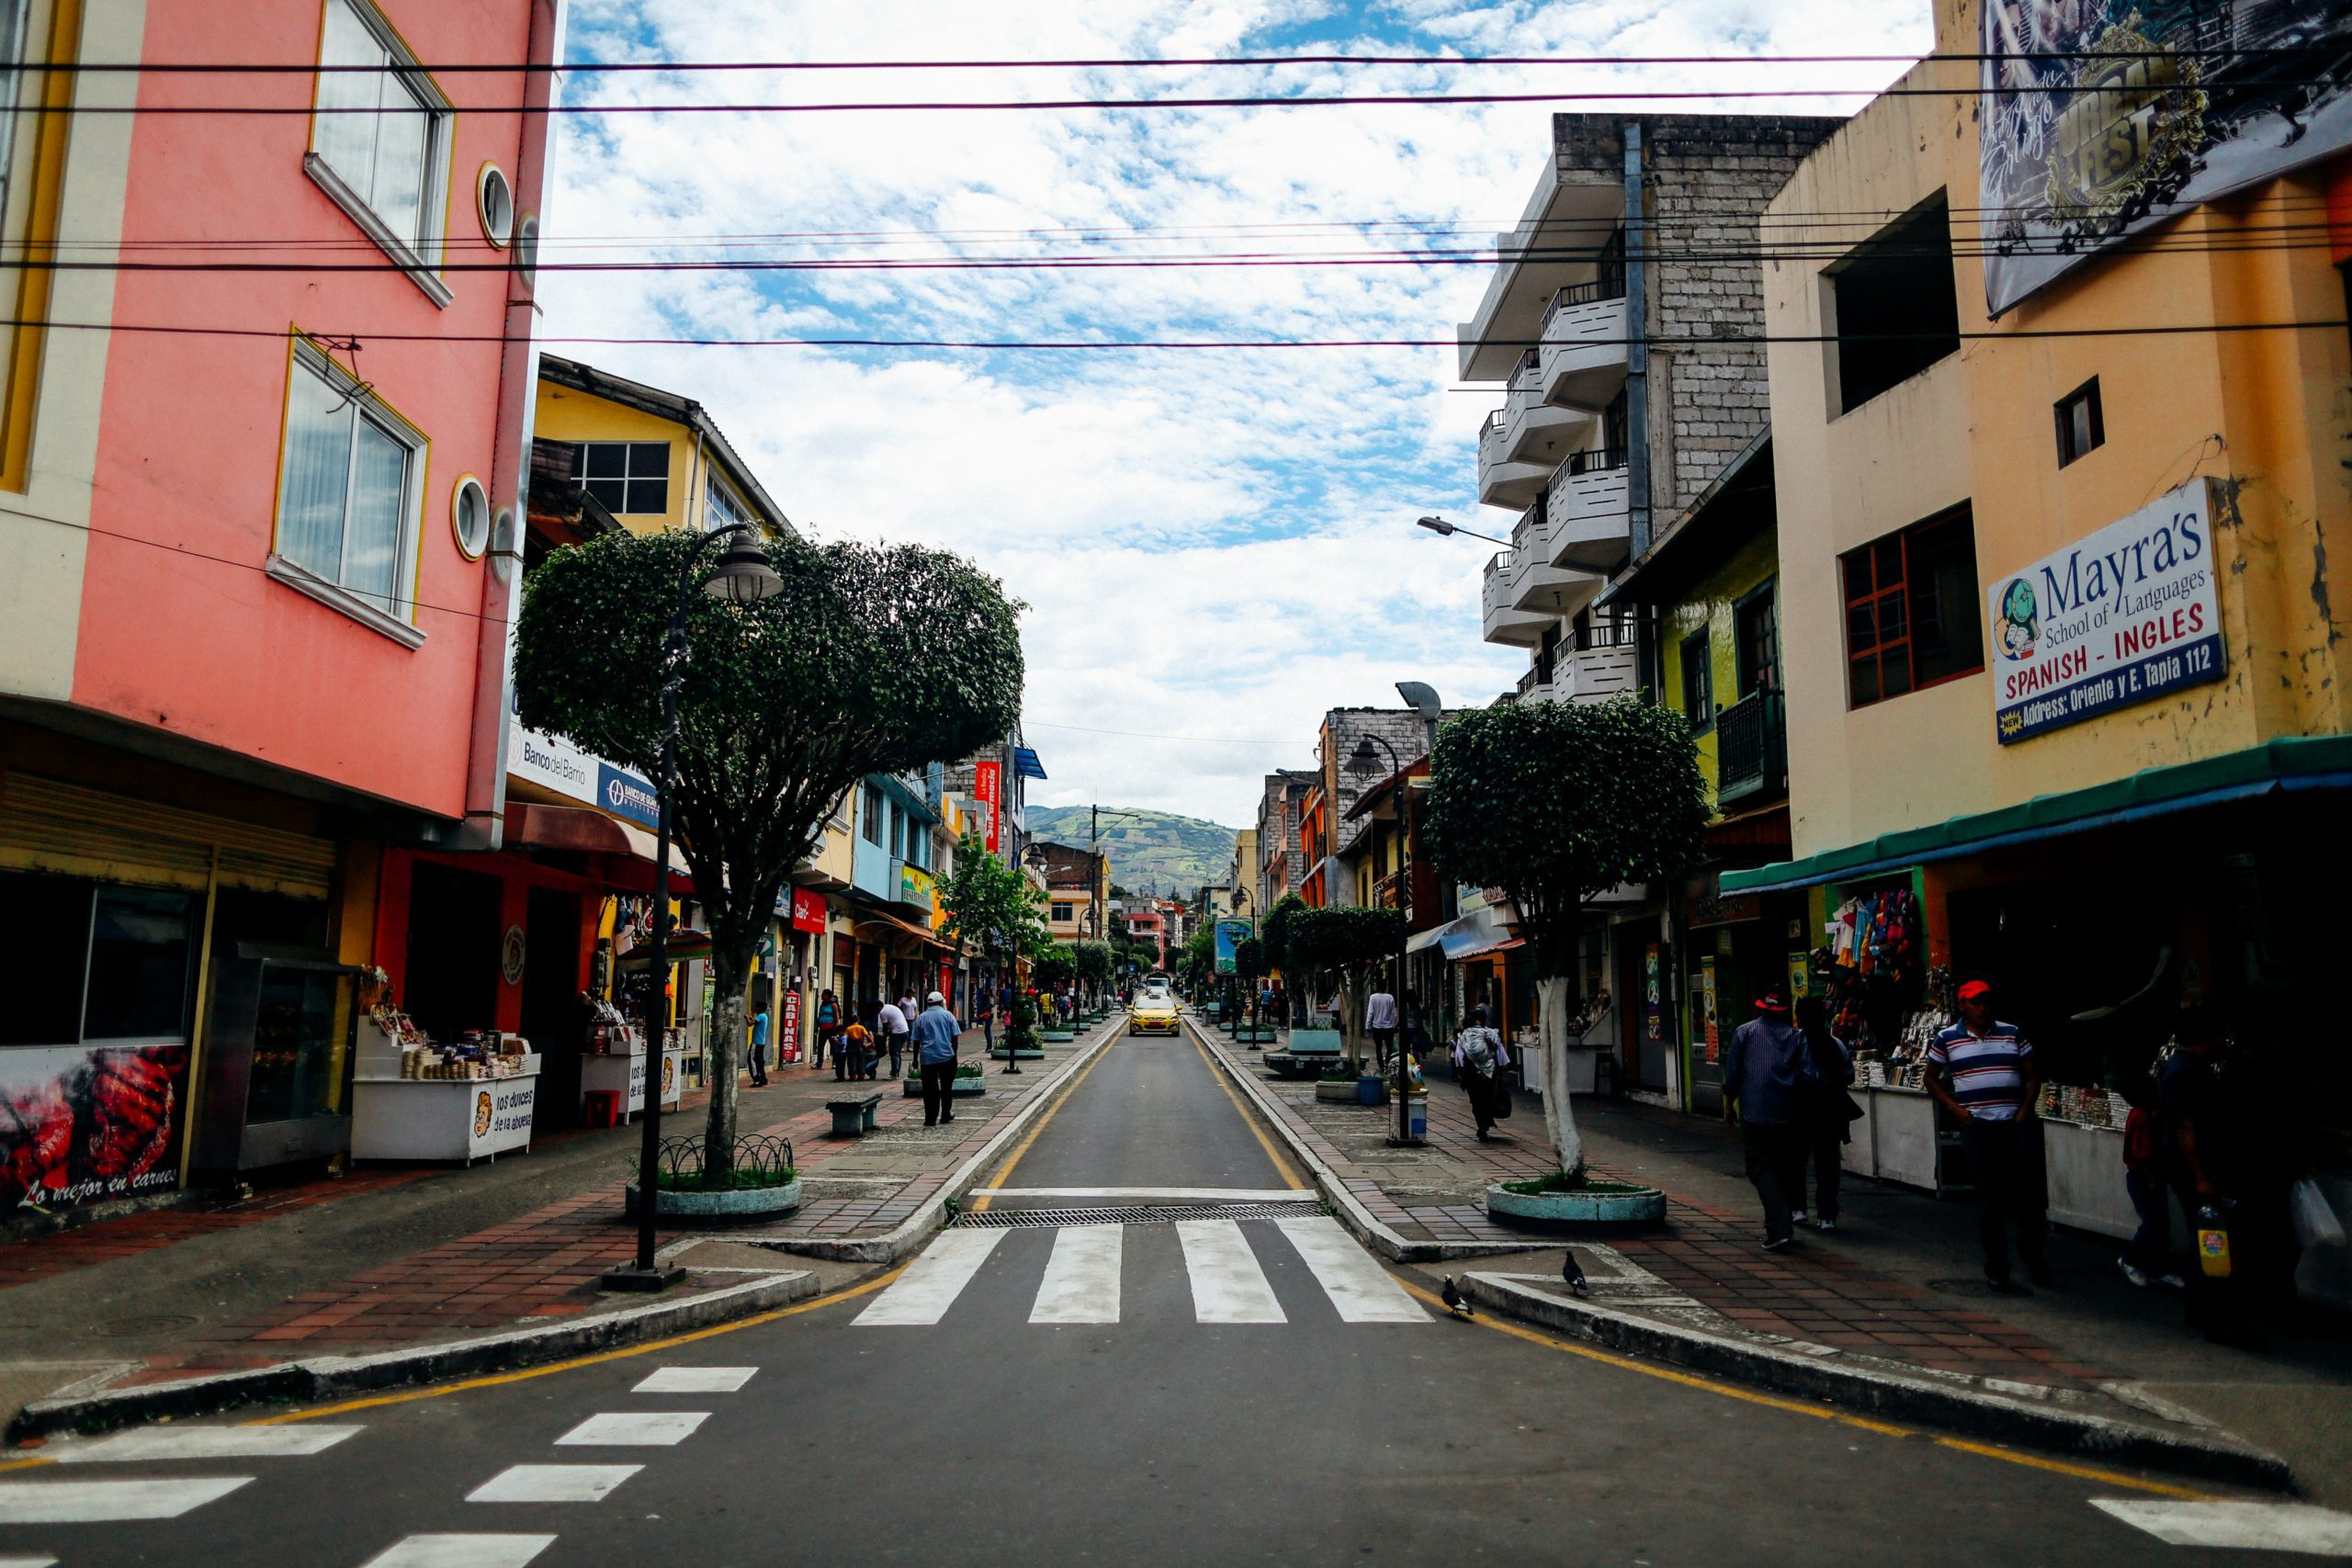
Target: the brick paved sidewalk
pixel 545 1264
pixel 1707 1252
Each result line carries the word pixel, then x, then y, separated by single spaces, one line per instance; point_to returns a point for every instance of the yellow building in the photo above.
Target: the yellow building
pixel 2064 583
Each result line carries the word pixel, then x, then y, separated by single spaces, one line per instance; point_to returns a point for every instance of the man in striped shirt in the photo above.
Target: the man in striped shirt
pixel 1982 1071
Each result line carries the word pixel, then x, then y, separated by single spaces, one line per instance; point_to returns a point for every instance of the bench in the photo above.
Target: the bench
pixel 853 1118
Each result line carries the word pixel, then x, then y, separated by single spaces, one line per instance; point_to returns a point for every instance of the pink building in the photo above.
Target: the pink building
pixel 255 574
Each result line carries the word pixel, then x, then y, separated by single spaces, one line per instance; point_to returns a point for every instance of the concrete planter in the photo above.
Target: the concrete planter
pixel 1316 1042
pixel 1057 1036
pixel 1645 1206
pixel 737 1203
pixel 1342 1093
pixel 1026 1053
pixel 912 1088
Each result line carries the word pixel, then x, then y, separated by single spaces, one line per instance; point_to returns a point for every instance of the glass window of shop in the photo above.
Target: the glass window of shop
pixel 100 964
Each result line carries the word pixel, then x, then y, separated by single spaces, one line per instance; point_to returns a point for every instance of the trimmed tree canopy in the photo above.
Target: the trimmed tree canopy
pixel 1555 802
pixel 1341 938
pixel 1275 929
pixel 865 660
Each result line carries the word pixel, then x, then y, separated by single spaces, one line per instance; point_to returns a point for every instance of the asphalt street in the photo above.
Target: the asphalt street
pixel 1243 1384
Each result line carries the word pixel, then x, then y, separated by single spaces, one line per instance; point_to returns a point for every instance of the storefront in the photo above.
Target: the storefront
pixel 1737 947
pixel 135 921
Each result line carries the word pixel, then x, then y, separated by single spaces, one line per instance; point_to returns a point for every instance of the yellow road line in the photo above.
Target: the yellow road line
pixel 600 1358
pixel 1819 1413
pixel 1004 1175
pixel 25 1463
pixel 1282 1168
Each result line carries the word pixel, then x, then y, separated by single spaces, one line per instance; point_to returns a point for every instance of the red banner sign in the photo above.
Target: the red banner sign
pixel 808 910
pixel 988 787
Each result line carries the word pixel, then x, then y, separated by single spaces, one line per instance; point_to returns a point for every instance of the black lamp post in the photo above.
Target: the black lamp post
pixel 1364 762
pixel 741 576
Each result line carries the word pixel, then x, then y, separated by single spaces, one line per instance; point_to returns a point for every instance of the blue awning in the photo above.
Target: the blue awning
pixel 1025 764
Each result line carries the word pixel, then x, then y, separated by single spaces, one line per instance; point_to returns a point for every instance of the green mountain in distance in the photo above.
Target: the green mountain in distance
pixel 1151 851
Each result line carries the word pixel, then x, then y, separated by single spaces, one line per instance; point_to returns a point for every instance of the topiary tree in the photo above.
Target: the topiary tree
pixel 1094 967
pixel 1275 929
pixel 1553 804
pixel 1351 941
pixel 865 660
pixel 994 906
pixel 1055 965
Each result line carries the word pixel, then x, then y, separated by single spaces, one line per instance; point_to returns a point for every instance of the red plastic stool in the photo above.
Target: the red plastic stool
pixel 602 1108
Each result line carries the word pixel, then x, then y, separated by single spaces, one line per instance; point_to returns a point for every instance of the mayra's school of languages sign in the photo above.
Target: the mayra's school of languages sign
pixel 2122 616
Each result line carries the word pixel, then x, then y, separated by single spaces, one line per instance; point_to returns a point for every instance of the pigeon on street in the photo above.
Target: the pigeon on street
pixel 1453 1298
pixel 1572 1274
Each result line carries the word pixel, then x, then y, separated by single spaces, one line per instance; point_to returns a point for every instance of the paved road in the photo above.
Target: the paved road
pixel 1217 1391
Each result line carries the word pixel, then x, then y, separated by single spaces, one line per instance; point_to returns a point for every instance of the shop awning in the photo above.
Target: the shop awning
pixel 1421 942
pixel 1474 935
pixel 907 927
pixel 623 852
pixel 2278 767
pixel 684 946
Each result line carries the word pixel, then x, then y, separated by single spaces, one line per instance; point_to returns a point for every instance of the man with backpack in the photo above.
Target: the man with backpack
pixel 1479 1060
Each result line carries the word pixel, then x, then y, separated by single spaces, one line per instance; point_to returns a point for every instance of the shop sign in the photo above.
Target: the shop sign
pixel 791 1036
pixel 510 953
pixel 625 795
pixel 1704 904
pixel 1230 935
pixel 914 886
pixel 82 1126
pixel 988 788
pixel 2123 615
pixel 807 910
pixel 1653 1008
pixel 1707 1007
pixel 2102 118
pixel 1800 976
pixel 501 1118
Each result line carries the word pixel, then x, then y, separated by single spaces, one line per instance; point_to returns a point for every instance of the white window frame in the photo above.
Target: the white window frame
pixel 419 257
pixel 398 622
pixel 721 506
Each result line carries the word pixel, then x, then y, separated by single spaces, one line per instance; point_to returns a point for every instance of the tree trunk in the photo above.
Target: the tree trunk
pixel 723 1039
pixel 1552 1003
pixel 1351 1017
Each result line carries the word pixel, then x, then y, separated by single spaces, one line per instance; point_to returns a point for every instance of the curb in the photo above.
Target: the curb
pixel 1853 1386
pixel 324 1378
pixel 1346 1206
pixel 910 1233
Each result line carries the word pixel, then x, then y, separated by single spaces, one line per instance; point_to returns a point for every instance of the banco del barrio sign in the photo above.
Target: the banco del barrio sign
pixel 2122 616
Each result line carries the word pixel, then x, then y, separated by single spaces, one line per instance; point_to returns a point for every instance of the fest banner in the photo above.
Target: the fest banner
pixel 2100 119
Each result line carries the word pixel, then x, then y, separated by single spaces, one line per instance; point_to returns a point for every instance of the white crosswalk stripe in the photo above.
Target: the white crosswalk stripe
pixel 106 1502
pixel 2248 1527
pixel 1227 1284
pixel 634 1428
pixel 203 1443
pixel 553 1483
pixel 1082 1277
pixel 1360 1288
pixel 922 1294
pixel 461 1551
pixel 696 1380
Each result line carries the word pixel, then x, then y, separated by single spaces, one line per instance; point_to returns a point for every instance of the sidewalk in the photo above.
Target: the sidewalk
pixel 1900 1286
pixel 392 1257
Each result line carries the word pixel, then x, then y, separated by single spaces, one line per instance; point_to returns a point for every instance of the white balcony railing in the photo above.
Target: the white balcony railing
pixel 1589 503
pixel 1583 351
pixel 1502 620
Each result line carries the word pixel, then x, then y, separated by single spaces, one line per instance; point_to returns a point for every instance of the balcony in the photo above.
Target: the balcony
pixel 1583 356
pixel 1536 583
pixel 1502 620
pixel 1588 501
pixel 1751 751
pixel 1502 479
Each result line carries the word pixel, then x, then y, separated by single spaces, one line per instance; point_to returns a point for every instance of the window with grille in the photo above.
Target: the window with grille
pixel 627 476
pixel 1912 614
pixel 1698 681
pixel 1756 625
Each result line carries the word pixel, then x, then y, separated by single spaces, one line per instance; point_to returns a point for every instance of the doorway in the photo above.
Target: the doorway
pixel 553 1021
pixel 453 939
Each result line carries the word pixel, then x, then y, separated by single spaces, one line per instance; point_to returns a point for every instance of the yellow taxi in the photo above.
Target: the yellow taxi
pixel 1153 1012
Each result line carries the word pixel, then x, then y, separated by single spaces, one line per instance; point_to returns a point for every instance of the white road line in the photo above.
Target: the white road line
pixel 696 1380
pixel 1360 1288
pixel 1163 1194
pixel 461 1551
pixel 2249 1527
pixel 42 1561
pixel 922 1294
pixel 634 1428
pixel 1227 1284
pixel 553 1483
pixel 1082 1277
pixel 203 1443
pixel 105 1502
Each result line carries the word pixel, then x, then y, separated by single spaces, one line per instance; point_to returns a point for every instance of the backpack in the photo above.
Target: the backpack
pixel 1478 1050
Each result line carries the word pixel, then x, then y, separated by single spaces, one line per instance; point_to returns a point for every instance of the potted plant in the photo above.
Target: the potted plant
pixel 759 1182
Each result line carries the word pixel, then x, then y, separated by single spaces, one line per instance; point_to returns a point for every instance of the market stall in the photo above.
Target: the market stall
pixel 414 1099
pixel 614 1063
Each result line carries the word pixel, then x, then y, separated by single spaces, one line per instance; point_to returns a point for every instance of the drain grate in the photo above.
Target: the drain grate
pixel 1151 1214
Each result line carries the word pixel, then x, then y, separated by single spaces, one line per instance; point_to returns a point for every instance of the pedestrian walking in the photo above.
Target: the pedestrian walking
pixel 855 1048
pixel 2204 1152
pixel 1830 1113
pixel 890 1025
pixel 1479 1059
pixel 1982 1070
pixel 1767 1069
pixel 829 1021
pixel 1380 1020
pixel 2148 1259
pixel 760 1049
pixel 936 1032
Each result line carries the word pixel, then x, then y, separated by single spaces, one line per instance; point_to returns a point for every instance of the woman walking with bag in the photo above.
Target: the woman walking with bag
pixel 1828 1113
pixel 828 1022
pixel 1480 1058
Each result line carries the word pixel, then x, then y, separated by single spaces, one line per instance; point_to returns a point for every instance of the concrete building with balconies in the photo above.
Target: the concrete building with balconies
pixel 1626 337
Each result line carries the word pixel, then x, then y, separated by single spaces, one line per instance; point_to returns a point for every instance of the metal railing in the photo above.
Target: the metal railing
pixel 1751 749
pixel 1525 375
pixel 1531 522
pixel 1592 293
pixel 1608 630
pixel 1599 459
pixel 1493 423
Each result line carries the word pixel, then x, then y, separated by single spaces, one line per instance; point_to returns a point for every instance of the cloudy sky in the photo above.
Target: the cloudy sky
pixel 1215 545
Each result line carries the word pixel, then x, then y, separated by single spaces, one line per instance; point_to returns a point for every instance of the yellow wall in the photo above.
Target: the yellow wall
pixel 1713 604
pixel 2267 413
pixel 565 415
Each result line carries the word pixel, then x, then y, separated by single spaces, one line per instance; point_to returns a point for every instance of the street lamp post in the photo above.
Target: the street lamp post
pixel 1362 763
pixel 741 576
pixel 1445 530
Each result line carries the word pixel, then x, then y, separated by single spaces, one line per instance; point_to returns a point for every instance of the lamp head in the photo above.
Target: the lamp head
pixel 1420 697
pixel 743 572
pixel 1435 525
pixel 1363 762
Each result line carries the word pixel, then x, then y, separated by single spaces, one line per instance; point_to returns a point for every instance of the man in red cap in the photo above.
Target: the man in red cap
pixel 1766 1069
pixel 1982 1071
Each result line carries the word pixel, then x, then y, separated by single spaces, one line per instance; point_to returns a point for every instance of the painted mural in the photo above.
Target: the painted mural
pixel 80 1125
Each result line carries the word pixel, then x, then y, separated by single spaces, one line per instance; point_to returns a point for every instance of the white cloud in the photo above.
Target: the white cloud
pixel 1213 544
